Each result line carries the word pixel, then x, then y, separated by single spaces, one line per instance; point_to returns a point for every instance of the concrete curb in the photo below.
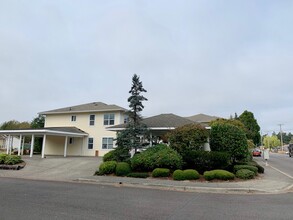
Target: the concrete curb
pixel 200 189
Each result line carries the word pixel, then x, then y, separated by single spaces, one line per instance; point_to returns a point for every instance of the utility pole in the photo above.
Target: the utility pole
pixel 281 136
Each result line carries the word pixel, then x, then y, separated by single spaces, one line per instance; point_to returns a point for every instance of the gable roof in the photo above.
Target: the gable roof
pixel 162 121
pixel 89 107
pixel 202 118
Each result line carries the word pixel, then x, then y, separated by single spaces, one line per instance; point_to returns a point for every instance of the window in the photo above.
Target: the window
pixel 107 143
pixel 90 143
pixel 126 119
pixel 109 119
pixel 73 117
pixel 71 140
pixel 92 119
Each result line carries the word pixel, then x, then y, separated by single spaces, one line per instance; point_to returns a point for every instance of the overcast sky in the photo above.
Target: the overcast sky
pixel 214 57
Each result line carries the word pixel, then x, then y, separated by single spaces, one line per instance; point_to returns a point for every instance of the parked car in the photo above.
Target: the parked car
pixel 256 153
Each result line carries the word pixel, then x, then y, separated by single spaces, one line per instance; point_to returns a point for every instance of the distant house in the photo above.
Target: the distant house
pixel 202 119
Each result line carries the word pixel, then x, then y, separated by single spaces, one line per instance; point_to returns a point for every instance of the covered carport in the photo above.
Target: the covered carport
pixel 66 132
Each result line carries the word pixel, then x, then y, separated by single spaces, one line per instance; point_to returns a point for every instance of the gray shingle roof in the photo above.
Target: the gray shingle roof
pixel 202 118
pixel 89 107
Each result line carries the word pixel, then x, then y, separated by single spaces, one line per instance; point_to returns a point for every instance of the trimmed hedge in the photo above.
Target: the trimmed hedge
pixel 260 169
pixel 119 154
pixel 218 174
pixel 205 160
pixel 161 172
pixel 107 167
pixel 159 156
pixel 185 175
pixel 245 174
pixel 248 167
pixel 138 175
pixel 122 169
pixel 10 159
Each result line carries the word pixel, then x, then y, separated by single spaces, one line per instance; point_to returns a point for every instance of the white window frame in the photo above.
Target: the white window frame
pixel 108 119
pixel 73 118
pixel 92 121
pixel 90 143
pixel 108 142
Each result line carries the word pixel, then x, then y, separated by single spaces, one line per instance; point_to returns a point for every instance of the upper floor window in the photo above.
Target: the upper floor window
pixel 92 119
pixel 90 143
pixel 107 143
pixel 109 119
pixel 73 117
pixel 126 119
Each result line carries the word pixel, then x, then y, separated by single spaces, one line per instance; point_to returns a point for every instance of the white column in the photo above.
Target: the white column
pixel 65 146
pixel 43 146
pixel 151 139
pixel 22 145
pixel 19 146
pixel 10 144
pixel 32 145
pixel 7 144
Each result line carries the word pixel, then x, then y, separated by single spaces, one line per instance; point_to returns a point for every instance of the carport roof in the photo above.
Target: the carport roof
pixel 58 131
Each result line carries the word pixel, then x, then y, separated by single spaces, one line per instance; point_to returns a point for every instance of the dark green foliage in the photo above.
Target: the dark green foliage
pixel 188 137
pixel 107 167
pixel 159 156
pixel 38 122
pixel 229 138
pixel 190 174
pixel 119 154
pixel 178 175
pixel 245 174
pixel 138 175
pixel 260 169
pixel 12 159
pixel 251 125
pixel 248 167
pixel 161 172
pixel 13 124
pixel 205 160
pixel 122 169
pixel 218 174
pixel 2 158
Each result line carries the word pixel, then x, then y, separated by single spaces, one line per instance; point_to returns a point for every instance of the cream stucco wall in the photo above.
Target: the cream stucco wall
pixel 80 146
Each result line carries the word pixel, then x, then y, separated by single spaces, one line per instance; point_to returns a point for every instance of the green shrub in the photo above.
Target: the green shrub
pixel 122 169
pixel 205 160
pixel 119 154
pixel 107 167
pixel 12 159
pixel 178 175
pixel 138 175
pixel 218 174
pixel 248 167
pixel 2 158
pixel 245 174
pixel 161 172
pixel 159 156
pixel 260 169
pixel 190 174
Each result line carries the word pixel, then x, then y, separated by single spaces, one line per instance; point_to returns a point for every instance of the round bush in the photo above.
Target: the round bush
pixel 218 174
pixel 122 169
pixel 161 172
pixel 109 156
pixel 191 174
pixel 178 175
pixel 138 175
pixel 12 159
pixel 245 174
pixel 248 167
pixel 107 167
pixel 159 156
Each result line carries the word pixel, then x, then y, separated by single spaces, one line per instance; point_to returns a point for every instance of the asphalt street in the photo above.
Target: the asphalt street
pixel 32 199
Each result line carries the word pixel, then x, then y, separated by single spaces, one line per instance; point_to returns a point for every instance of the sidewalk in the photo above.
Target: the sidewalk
pixel 270 182
pixel 81 169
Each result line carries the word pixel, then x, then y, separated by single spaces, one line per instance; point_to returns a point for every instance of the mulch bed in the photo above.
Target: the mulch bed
pixel 12 167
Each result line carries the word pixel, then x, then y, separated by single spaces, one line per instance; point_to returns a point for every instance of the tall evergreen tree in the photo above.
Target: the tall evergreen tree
pixel 252 127
pixel 129 138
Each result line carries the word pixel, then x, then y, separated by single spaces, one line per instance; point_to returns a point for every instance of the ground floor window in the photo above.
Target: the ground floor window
pixel 90 143
pixel 71 140
pixel 107 143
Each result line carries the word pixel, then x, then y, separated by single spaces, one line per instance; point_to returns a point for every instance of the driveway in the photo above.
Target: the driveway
pixel 55 168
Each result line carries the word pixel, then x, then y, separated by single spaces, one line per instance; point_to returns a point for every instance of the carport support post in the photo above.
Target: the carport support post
pixel 19 146
pixel 22 145
pixel 32 145
pixel 65 146
pixel 43 146
pixel 8 145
